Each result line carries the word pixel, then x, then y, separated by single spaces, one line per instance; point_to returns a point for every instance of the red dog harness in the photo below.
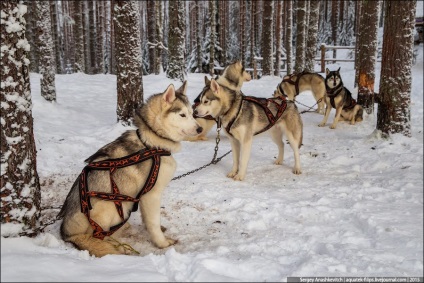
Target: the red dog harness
pixel 112 165
pixel 279 101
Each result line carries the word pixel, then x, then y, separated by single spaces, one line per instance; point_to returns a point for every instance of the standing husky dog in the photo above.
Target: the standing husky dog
pixel 339 97
pixel 115 181
pixel 245 116
pixel 233 77
pixel 293 84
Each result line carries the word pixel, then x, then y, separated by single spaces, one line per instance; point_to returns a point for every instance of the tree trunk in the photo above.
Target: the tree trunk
pixel 151 34
pixel 311 43
pixel 289 36
pixel 176 68
pixel 394 101
pixel 79 37
pixel 128 64
pixel 20 187
pixel 199 38
pixel 212 10
pixel 267 39
pixel 367 40
pixel 45 45
pixel 358 13
pixel 100 36
pixel 252 33
pixel 334 25
pixel 86 37
pixel 159 38
pixel 30 30
pixel 242 39
pixel 301 36
pixel 278 19
pixel 56 37
pixel 92 30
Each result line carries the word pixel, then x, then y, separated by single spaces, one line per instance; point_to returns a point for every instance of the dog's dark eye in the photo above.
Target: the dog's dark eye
pixel 205 102
pixel 183 115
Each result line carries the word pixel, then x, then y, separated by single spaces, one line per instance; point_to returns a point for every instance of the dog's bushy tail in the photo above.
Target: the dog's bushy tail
pixel 93 245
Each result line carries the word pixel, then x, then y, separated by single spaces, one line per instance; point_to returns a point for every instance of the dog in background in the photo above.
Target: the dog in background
pixel 293 84
pixel 134 169
pixel 245 116
pixel 233 77
pixel 339 97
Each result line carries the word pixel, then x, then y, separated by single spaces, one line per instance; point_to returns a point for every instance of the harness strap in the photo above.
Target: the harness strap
pixel 263 102
pixel 295 82
pixel 116 196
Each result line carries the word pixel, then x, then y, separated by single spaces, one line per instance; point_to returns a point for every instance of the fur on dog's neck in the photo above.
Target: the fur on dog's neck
pixel 150 134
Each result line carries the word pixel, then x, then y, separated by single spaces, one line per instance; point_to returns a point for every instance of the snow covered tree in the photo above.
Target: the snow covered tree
pixel 394 113
pixel 311 42
pixel 267 38
pixel 212 9
pixel 367 44
pixel 198 38
pixel 289 36
pixel 92 38
pixel 176 41
pixel 79 38
pixel 278 32
pixel 301 10
pixel 128 59
pixel 56 37
pixel 242 28
pixel 20 187
pixel 151 34
pixel 30 30
pixel 45 46
pixel 100 18
pixel 159 46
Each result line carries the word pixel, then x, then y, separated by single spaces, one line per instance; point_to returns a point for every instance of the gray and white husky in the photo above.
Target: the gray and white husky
pixel 339 97
pixel 245 116
pixel 134 169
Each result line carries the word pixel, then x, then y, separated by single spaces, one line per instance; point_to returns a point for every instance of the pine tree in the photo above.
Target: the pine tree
pixel 20 187
pixel 301 11
pixel 31 31
pixel 45 45
pixel 92 41
pixel 159 46
pixel 176 44
pixel 151 34
pixel 367 41
pixel 128 59
pixel 79 37
pixel 212 9
pixel 311 43
pixel 278 32
pixel 394 101
pixel 267 41
pixel 289 36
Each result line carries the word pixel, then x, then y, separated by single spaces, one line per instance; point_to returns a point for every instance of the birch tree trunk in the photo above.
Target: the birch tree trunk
pixel 45 45
pixel 394 114
pixel 20 187
pixel 128 59
pixel 367 41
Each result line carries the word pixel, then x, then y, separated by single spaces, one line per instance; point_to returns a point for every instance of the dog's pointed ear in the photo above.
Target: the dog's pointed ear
pixel 338 70
pixel 214 86
pixel 207 81
pixel 327 71
pixel 169 94
pixel 183 88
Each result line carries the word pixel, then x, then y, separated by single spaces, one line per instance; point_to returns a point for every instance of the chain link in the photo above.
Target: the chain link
pixel 214 159
pixel 310 107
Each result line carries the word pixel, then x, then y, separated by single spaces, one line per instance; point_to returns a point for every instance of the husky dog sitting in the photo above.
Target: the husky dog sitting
pixel 245 116
pixel 134 169
pixel 339 97
pixel 233 77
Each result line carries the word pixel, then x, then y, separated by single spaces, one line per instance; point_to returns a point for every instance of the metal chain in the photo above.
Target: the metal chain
pixel 310 107
pixel 214 159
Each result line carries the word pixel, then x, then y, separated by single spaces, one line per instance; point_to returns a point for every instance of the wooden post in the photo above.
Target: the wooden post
pixel 255 71
pixel 323 58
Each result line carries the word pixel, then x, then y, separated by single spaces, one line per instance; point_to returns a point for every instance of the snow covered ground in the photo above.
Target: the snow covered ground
pixel 357 209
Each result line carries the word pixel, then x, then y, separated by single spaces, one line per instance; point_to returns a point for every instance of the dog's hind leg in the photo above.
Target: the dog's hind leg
pixel 93 245
pixel 235 147
pixel 277 138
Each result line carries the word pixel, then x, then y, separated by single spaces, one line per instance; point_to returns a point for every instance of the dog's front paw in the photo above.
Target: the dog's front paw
pixel 333 126
pixel 168 242
pixel 297 171
pixel 352 122
pixel 238 177
pixel 321 124
pixel 231 174
pixel 278 162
